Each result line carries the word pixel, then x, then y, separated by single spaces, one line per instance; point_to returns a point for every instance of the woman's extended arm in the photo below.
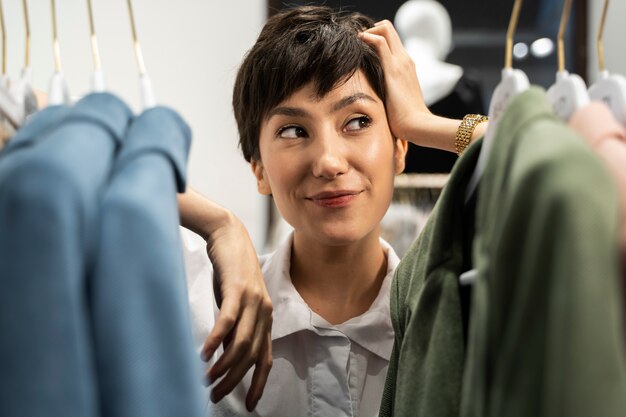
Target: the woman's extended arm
pixel 245 319
pixel 408 116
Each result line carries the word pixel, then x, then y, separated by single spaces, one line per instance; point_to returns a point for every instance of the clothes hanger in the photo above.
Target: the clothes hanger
pixel 22 89
pixel 9 106
pixel 513 82
pixel 26 71
pixel 97 79
pixel 610 88
pixel 569 92
pixel 5 78
pixel 58 92
pixel 147 94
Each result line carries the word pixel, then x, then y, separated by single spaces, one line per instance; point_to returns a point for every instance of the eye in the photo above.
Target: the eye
pixel 358 123
pixel 291 132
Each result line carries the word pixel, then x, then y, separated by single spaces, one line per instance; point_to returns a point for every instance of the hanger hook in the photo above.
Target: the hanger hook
pixel 94 40
pixel 601 64
pixel 138 53
pixel 27 26
pixel 561 44
pixel 55 39
pixel 508 57
pixel 4 40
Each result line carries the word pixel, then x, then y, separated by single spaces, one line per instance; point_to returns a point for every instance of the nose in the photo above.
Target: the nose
pixel 329 159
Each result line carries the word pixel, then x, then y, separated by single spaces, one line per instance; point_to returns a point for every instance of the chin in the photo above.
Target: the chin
pixel 342 235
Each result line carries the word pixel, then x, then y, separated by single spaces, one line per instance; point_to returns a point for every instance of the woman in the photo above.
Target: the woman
pixel 321 125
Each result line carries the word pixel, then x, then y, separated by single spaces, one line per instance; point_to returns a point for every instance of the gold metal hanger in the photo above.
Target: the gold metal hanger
pixel 4 41
pixel 147 94
pixel 95 51
pixel 137 46
pixel 55 39
pixel 58 93
pixel 512 83
pixel 510 33
pixel 601 64
pixel 97 78
pixel 609 88
pixel 27 29
pixel 560 42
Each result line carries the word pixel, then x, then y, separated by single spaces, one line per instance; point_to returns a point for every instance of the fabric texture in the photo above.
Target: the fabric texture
pixel 545 330
pixel 142 330
pixel 426 368
pixel 319 369
pixel 38 127
pixel 607 137
pixel 51 177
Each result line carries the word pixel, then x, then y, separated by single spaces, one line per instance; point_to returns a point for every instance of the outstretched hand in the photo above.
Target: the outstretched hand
pixel 244 322
pixel 245 318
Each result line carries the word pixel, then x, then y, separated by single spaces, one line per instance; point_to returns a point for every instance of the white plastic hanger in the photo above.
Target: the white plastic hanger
pixel 58 92
pixel 147 94
pixel 569 93
pixel 514 82
pixel 610 88
pixel 97 78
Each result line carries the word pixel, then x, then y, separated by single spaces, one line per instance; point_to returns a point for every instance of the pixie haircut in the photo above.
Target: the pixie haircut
pixel 298 46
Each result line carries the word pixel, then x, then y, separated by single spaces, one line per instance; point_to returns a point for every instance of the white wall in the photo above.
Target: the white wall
pixel 192 49
pixel 614 37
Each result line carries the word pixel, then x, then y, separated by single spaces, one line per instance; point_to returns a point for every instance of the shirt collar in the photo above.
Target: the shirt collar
pixel 372 330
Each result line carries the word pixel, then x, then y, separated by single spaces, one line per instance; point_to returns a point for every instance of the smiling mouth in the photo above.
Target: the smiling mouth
pixel 335 199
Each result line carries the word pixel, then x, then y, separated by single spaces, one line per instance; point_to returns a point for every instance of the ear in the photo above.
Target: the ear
pixel 401 147
pixel 262 183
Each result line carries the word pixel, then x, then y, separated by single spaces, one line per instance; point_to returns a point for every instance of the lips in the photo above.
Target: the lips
pixel 334 199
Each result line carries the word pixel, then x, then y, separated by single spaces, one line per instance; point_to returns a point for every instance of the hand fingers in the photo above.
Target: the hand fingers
pixel 224 324
pixel 261 373
pixel 240 355
pixel 379 43
pixel 243 340
pixel 385 29
pixel 395 65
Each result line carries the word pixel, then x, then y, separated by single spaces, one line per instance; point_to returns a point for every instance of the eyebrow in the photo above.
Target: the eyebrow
pixel 346 101
pixel 298 112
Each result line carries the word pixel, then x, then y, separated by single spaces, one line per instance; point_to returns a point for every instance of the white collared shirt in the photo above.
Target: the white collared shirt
pixel 319 369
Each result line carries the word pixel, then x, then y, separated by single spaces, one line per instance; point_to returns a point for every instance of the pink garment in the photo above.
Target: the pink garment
pixel 607 137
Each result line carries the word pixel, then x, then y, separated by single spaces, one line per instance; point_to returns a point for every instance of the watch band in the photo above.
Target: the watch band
pixel 466 129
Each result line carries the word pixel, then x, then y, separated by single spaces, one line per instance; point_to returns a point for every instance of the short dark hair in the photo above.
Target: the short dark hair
pixel 297 46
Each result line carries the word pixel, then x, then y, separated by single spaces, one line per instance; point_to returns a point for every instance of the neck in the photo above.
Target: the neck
pixel 338 282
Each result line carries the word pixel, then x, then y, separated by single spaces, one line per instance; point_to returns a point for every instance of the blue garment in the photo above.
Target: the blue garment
pixel 38 127
pixel 142 330
pixel 49 193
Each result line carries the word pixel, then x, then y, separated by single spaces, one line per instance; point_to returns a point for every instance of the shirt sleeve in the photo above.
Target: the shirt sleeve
pixel 199 275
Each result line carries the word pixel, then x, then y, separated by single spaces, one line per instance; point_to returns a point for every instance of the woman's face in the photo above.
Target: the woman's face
pixel 329 163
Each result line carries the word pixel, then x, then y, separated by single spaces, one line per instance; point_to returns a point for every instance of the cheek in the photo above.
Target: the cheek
pixel 281 172
pixel 377 155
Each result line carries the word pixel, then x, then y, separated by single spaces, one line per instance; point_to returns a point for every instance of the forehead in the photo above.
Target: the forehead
pixel 357 83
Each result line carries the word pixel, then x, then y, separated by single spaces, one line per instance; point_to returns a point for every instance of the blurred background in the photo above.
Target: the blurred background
pixel 192 49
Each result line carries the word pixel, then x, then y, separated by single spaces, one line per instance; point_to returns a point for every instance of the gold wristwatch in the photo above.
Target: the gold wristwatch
pixel 466 129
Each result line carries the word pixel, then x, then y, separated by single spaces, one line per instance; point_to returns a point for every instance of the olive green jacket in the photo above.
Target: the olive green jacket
pixel 426 367
pixel 545 326
pixel 545 334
